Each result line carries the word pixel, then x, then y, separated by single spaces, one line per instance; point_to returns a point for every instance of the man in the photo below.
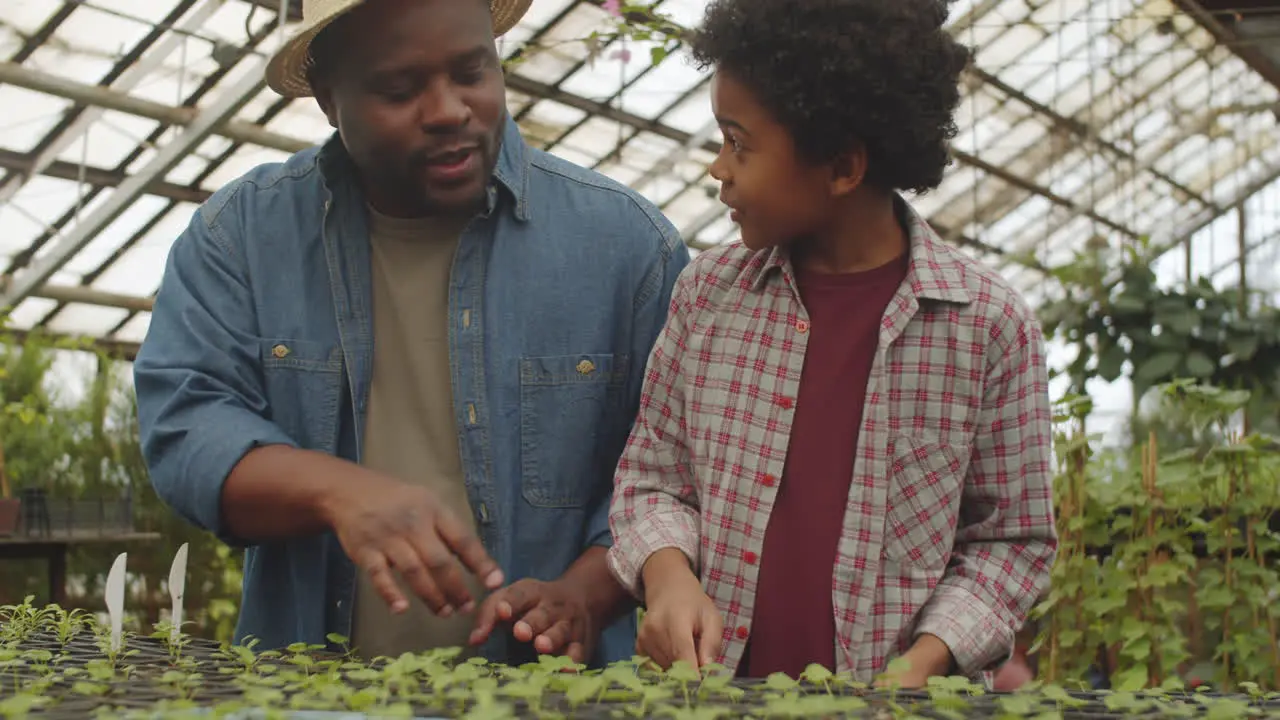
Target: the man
pixel 400 368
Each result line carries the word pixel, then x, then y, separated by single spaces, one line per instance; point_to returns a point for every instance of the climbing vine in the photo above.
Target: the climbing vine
pixel 1167 567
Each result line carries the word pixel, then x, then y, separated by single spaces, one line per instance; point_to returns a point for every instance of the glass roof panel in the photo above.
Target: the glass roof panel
pixel 20 227
pixel 138 269
pixel 1164 94
pixel 666 84
pixel 194 165
pixel 684 13
pixel 104 244
pixel 993 21
pixel 688 206
pixel 603 77
pixel 82 319
pixel 540 14
pixel 136 329
pixel 30 311
pixel 691 113
pixel 244 160
pixel 1013 43
pixel 28 116
pixel 99 33
pixel 46 200
pixel 547 120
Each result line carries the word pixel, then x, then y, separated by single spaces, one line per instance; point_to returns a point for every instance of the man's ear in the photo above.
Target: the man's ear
pixel 324 98
pixel 849 170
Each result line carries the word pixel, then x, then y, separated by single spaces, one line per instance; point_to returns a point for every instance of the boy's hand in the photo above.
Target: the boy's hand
pixel 680 622
pixel 928 657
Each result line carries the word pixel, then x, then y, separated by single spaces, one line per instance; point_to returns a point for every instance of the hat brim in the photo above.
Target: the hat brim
pixel 286 72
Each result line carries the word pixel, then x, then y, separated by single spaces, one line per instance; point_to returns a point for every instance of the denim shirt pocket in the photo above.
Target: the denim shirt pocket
pixel 567 402
pixel 303 382
pixel 926 480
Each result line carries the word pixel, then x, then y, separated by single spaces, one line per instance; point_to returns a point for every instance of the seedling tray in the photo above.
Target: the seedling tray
pixel 69 675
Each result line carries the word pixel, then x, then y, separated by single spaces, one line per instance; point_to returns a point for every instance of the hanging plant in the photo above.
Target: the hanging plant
pixel 1131 327
pixel 623 22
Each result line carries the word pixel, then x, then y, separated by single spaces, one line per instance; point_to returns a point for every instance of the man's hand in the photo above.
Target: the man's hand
pixel 385 525
pixel 554 616
pixel 681 622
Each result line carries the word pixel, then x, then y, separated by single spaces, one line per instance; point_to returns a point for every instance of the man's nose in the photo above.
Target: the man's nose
pixel 443 107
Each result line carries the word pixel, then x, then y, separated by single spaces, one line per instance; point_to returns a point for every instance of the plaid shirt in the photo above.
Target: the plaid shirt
pixel 949 526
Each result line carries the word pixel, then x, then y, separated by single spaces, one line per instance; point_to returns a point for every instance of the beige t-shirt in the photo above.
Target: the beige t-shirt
pixel 410 431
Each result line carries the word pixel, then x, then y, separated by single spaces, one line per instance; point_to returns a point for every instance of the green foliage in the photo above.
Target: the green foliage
pixel 635 24
pixel 41 673
pixel 87 448
pixel 1167 560
pixel 1122 324
pixel 36 434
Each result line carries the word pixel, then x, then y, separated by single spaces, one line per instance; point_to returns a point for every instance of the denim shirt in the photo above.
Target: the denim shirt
pixel 262 334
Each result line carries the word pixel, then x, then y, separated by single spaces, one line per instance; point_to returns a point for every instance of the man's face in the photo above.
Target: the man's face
pixel 415 89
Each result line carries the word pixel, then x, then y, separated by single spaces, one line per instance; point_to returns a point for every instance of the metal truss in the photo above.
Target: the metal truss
pixel 201 126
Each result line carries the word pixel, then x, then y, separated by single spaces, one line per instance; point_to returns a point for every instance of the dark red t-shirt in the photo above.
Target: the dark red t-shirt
pixel 794 620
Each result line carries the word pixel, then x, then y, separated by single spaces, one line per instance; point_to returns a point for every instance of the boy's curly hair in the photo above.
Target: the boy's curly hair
pixel 838 72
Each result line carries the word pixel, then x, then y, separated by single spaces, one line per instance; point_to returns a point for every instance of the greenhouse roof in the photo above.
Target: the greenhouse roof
pixel 1083 121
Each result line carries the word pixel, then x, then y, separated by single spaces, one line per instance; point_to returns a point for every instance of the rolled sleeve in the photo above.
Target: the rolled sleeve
pixel 649 534
pixel 1007 541
pixel 201 405
pixel 978 637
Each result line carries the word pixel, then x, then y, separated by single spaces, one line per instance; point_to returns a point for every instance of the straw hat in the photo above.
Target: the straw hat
pixel 287 69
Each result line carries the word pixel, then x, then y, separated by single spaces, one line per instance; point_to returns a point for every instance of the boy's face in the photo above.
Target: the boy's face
pixel 776 197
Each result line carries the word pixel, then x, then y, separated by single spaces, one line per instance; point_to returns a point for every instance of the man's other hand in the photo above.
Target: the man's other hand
pixel 388 526
pixel 554 616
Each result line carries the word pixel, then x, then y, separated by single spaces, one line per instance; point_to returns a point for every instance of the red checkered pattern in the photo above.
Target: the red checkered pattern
pixel 949 526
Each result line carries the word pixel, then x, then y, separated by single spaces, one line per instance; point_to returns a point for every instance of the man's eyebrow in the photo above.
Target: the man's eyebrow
pixel 478 52
pixel 398 67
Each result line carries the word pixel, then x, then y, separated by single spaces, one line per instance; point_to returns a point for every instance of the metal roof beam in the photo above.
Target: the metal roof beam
pixel 1225 24
pixel 130 79
pixel 168 156
pixel 1207 216
pixel 1023 238
pixel 111 99
pixel 1043 156
pixel 1081 129
pixel 1033 187
pixel 99 177
pixel 1204 218
pixel 537 89
pixel 86 296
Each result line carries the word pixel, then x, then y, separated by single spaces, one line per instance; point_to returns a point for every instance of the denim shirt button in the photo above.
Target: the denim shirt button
pixel 482 514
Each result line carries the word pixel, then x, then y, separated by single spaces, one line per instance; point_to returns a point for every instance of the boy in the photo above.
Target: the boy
pixel 842 452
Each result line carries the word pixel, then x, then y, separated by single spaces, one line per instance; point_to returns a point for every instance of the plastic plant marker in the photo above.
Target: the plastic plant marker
pixel 177 585
pixel 115 599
